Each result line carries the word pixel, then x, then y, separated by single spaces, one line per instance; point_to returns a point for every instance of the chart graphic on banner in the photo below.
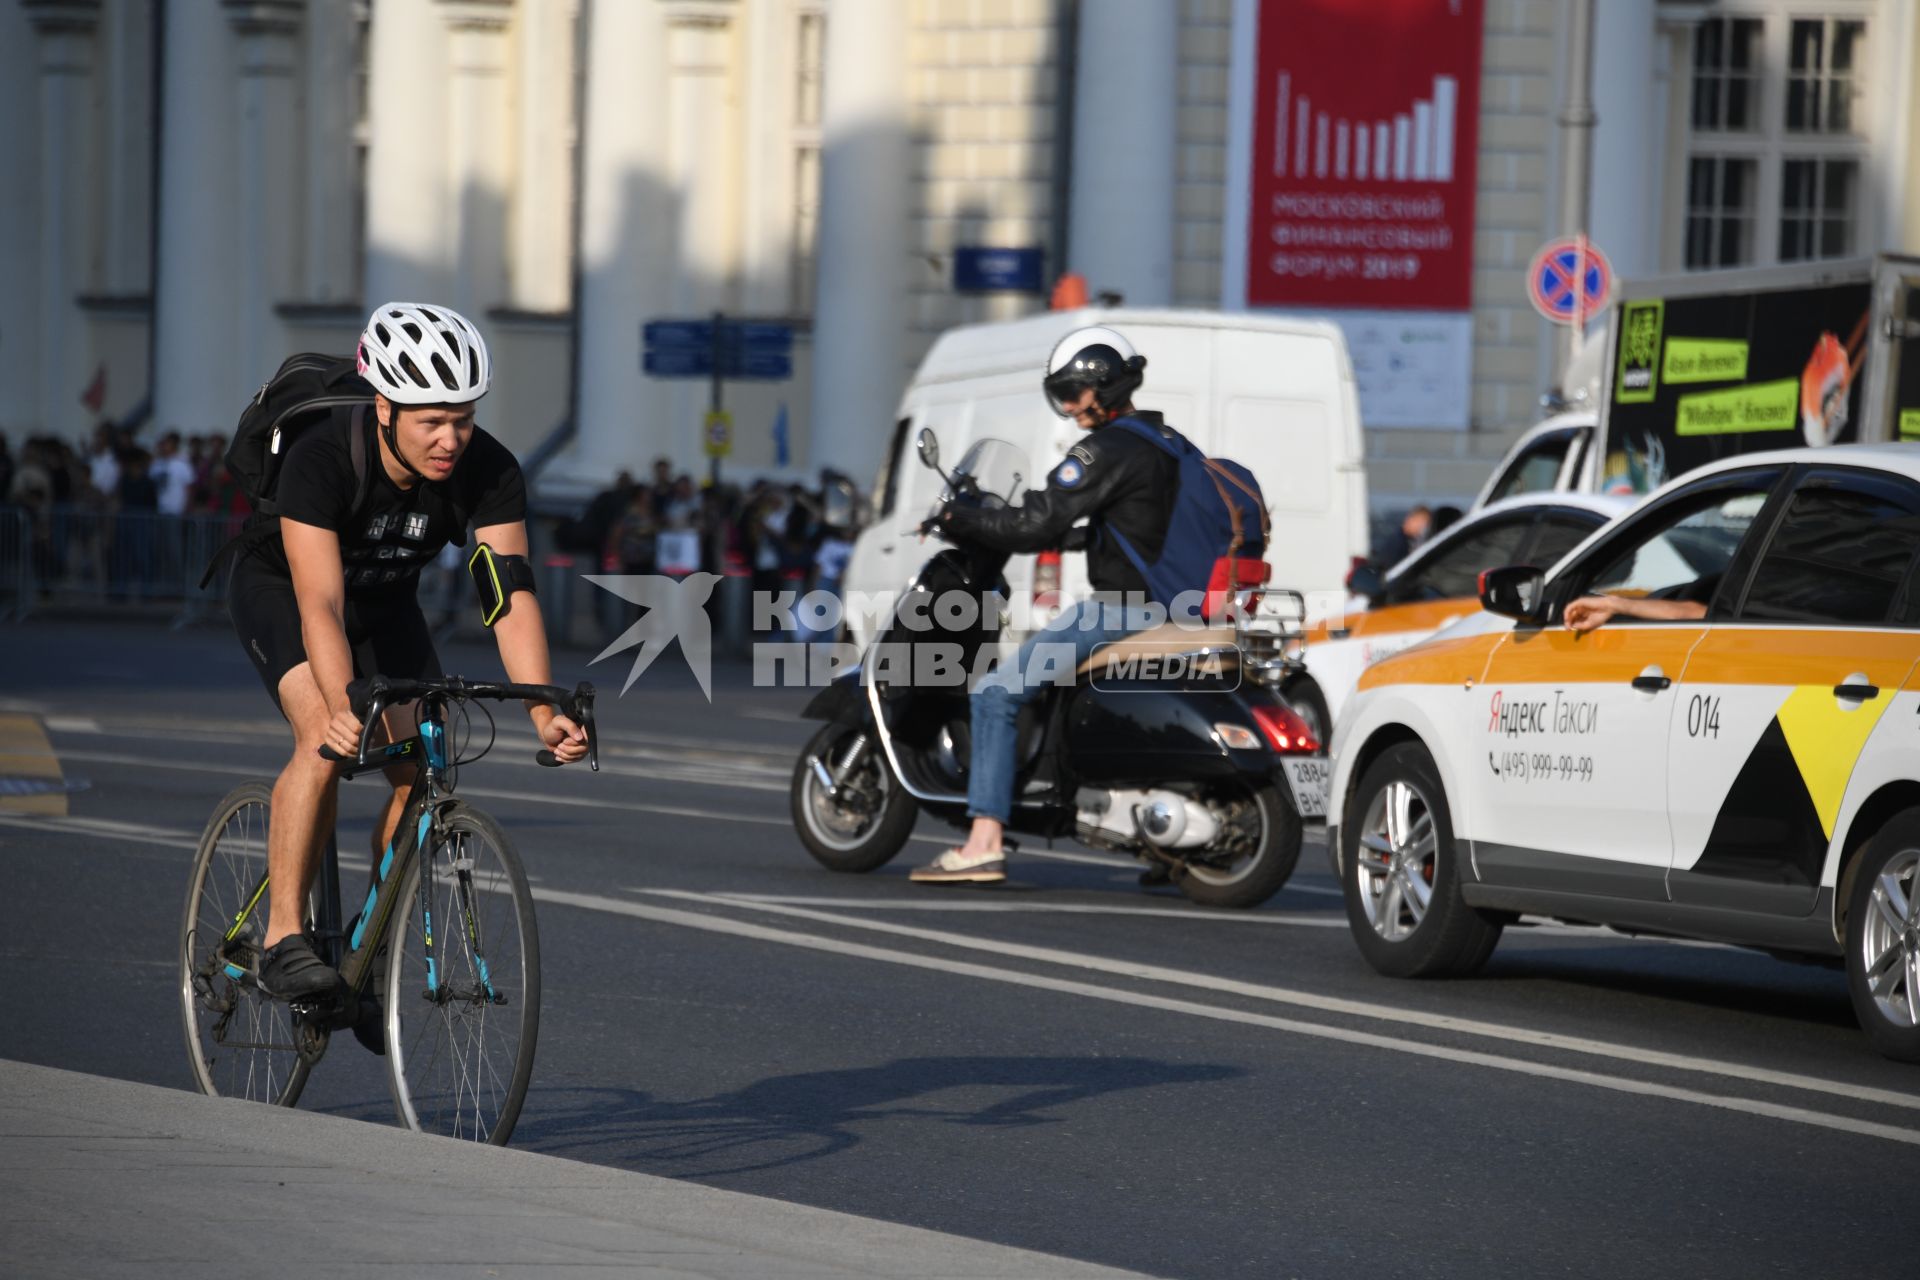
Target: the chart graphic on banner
pixel 1364 147
pixel 1351 187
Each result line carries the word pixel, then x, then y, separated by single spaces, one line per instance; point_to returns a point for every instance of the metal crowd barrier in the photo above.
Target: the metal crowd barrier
pixel 66 556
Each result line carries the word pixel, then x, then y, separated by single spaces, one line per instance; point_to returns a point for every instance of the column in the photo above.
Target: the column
pixel 19 226
pixel 127 170
pixel 411 234
pixel 66 170
pixel 479 151
pixel 626 239
pixel 193 312
pixel 328 213
pixel 265 176
pixel 1624 201
pixel 703 166
pixel 1126 110
pixel 860 308
pixel 540 244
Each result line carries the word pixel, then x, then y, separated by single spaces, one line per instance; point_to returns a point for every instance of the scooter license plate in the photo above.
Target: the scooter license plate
pixel 1309 776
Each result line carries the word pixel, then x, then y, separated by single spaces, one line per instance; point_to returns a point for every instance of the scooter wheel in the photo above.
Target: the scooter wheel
pixel 1257 875
pixel 867 823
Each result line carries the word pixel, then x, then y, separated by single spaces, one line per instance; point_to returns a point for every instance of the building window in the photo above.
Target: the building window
pixel 1822 56
pixel 1818 202
pixel 1719 212
pixel 1726 74
pixel 810 50
pixel 1777 135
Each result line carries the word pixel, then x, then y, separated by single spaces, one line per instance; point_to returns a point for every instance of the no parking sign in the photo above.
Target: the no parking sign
pixel 1569 280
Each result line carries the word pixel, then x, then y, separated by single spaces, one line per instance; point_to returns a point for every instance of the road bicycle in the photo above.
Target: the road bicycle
pixel 449 990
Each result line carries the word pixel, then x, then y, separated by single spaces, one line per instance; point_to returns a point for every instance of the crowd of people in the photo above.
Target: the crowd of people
pixel 101 516
pixel 113 514
pixel 785 537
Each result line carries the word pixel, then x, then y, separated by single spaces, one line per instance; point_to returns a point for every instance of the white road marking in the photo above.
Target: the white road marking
pixel 1324 1004
pixel 1385 1013
pixel 66 826
pixel 1040 908
pixel 1114 862
pixel 1471 1057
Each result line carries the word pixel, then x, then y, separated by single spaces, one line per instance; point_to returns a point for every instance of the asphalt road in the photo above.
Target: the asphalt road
pixel 1067 1064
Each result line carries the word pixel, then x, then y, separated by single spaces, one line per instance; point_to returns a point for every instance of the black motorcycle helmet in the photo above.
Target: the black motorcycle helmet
pixel 1096 357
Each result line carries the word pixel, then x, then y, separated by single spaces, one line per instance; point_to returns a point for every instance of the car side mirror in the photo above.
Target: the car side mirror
pixel 929 447
pixel 1514 591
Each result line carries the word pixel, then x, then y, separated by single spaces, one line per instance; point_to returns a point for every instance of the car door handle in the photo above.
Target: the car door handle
pixel 1856 692
pixel 1651 682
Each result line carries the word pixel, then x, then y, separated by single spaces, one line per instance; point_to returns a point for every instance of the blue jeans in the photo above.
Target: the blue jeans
pixel 1049 656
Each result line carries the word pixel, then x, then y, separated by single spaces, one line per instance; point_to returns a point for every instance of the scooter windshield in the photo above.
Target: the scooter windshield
pixel 998 471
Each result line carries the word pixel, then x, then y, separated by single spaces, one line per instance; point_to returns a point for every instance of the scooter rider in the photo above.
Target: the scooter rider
pixel 1112 479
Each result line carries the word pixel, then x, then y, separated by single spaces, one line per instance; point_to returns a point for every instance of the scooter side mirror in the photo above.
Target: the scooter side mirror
pixel 929 446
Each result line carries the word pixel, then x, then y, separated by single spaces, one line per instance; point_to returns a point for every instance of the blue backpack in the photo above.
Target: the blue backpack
pixel 1216 534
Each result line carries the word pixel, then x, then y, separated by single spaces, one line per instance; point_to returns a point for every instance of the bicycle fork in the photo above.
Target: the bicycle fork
pixel 440 992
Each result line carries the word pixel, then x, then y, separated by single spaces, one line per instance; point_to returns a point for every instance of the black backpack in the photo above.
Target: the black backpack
pixel 303 392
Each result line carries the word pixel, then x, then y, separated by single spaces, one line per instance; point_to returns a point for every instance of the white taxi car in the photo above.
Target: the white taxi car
pixel 1742 765
pixel 1436 585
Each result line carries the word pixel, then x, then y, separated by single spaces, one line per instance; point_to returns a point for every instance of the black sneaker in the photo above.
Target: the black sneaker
pixel 291 971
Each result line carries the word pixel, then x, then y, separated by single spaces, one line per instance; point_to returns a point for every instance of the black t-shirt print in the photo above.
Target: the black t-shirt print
pixel 397 531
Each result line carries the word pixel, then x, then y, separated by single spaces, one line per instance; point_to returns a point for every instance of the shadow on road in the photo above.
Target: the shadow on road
pixel 1808 993
pixel 789 1119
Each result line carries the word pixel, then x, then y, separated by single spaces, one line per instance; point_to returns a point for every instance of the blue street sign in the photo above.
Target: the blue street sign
pixel 678 333
pixel 697 362
pixel 977 269
pixel 758 349
pixel 761 335
pixel 777 365
pixel 678 362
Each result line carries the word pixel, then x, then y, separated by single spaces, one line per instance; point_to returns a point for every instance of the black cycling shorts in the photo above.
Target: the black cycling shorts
pixel 388 636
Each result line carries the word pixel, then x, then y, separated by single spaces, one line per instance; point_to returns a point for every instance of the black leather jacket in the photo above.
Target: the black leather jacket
pixel 1112 478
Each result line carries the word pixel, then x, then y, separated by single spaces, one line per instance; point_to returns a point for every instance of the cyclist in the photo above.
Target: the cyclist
pixel 330 593
pixel 1110 478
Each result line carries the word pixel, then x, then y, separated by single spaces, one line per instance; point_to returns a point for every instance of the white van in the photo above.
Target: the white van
pixel 1274 394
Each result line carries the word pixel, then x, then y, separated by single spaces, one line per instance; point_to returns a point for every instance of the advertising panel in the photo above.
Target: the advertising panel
pixel 1697 379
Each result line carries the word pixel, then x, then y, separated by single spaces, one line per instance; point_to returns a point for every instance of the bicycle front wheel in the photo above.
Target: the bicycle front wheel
pixel 463 985
pixel 241 1043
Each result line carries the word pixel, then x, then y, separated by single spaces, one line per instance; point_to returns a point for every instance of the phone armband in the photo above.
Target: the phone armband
pixel 496 578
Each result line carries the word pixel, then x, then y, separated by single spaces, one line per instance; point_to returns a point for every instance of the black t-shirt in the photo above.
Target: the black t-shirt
pixel 397 531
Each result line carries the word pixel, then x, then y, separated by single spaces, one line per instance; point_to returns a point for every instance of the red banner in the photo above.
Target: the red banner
pixel 1365 135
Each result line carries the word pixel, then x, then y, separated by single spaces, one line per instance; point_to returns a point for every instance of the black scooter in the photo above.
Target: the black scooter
pixel 1175 747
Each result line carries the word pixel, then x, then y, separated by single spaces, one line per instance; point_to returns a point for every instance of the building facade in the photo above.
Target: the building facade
pixel 199 187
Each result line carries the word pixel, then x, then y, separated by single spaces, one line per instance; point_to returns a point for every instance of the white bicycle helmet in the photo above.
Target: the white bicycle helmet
pixel 422 354
pixel 1096 357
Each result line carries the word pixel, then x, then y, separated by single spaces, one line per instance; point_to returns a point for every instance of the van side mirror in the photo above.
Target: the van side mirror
pixel 929 446
pixel 1514 591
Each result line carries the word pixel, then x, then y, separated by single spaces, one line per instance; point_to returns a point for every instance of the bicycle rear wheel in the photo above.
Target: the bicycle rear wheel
pixel 461 1031
pixel 241 1043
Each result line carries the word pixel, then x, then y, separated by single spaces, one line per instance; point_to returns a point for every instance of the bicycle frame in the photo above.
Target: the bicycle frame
pixel 353 954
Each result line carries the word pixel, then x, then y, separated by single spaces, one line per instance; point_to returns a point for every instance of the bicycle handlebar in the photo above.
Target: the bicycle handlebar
pixel 370 696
